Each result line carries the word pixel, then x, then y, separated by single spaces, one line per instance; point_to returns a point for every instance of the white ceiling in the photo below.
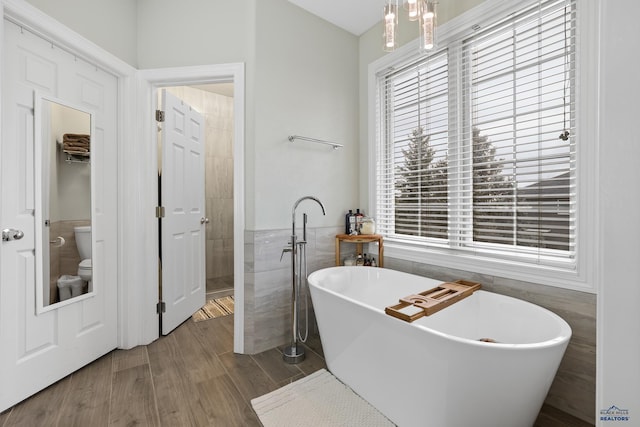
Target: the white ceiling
pixel 355 16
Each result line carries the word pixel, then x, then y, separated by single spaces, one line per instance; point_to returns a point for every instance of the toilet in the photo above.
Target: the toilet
pixel 83 242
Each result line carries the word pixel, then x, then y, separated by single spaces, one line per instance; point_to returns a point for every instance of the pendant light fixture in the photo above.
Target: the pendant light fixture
pixel 427 25
pixel 390 25
pixel 412 8
pixel 423 11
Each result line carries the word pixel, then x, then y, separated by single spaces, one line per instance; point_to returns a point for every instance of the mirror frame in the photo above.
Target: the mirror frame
pixel 41 182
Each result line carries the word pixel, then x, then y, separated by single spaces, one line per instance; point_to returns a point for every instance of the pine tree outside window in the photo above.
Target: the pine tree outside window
pixel 476 149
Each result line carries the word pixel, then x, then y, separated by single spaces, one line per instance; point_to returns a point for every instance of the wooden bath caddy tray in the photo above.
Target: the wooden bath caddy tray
pixel 431 301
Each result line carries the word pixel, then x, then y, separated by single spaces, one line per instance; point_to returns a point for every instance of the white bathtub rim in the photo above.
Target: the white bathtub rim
pixel 562 339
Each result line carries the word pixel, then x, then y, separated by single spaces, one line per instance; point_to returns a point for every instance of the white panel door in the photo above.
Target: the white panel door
pixel 183 227
pixel 37 350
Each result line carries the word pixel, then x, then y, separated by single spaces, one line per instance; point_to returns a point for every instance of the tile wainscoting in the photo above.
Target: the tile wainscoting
pixel 268 282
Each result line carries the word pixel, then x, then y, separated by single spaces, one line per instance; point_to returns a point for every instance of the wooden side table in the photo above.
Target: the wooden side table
pixel 359 239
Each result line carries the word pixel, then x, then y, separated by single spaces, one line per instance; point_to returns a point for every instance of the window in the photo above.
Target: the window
pixel 476 143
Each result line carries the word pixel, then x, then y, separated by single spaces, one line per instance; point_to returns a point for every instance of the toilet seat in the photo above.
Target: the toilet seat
pixel 84 270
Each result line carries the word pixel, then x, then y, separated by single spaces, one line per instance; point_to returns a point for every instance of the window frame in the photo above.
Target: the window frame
pixel 581 276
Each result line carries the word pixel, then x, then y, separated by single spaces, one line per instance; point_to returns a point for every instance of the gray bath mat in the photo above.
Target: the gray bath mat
pixel 318 400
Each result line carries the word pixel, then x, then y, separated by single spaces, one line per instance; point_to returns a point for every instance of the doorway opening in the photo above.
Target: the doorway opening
pixel 195 152
pixel 157 80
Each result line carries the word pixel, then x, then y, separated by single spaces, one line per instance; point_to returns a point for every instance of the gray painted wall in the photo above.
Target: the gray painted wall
pixel 109 24
pixel 193 32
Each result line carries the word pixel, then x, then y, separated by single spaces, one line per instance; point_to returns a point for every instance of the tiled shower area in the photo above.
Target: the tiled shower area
pixel 215 102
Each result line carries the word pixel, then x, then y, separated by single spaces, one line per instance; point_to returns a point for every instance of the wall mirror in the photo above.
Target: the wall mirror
pixel 63 203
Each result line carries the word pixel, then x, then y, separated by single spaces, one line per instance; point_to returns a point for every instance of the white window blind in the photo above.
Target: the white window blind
pixel 413 180
pixel 477 142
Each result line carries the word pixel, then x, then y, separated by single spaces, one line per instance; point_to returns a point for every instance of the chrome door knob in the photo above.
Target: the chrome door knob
pixel 11 234
pixel 204 220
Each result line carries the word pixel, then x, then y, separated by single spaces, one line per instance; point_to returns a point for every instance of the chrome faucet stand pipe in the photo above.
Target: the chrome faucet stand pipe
pixel 294 353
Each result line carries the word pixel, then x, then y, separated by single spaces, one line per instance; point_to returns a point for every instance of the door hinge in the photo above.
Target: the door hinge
pixel 159 116
pixel 159 211
pixel 161 307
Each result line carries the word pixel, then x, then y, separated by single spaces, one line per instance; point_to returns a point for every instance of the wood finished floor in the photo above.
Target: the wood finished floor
pixel 188 378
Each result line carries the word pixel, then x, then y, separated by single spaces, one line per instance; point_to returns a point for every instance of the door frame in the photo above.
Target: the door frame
pixel 149 81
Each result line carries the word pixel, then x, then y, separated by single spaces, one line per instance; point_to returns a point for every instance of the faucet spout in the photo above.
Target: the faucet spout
pixel 315 199
pixel 295 206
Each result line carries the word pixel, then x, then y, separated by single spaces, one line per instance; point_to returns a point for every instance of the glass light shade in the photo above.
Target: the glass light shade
pixel 427 26
pixel 412 8
pixel 428 9
pixel 390 16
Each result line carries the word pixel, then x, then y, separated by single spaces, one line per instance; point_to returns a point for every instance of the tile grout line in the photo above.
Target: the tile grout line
pixel 65 397
pixel 153 385
pixel 113 375
pixel 247 401
pixel 263 370
pixel 9 412
pixel 233 381
pixel 300 371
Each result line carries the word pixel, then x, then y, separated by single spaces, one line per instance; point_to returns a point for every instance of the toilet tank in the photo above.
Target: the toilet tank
pixel 83 241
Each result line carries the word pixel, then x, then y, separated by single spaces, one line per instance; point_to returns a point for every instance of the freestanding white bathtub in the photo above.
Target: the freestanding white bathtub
pixel 434 372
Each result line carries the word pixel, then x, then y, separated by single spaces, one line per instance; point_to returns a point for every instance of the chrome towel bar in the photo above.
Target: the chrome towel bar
pixel 334 145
